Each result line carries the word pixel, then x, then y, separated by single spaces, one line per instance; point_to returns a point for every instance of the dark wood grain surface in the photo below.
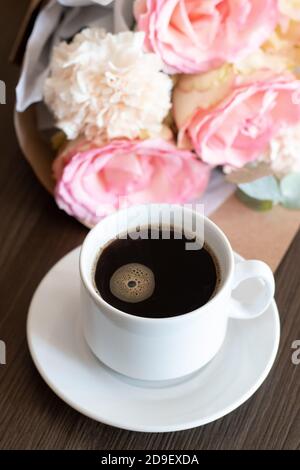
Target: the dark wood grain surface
pixel 34 235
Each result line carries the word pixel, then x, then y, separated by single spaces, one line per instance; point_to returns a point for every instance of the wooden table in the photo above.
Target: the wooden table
pixel 34 235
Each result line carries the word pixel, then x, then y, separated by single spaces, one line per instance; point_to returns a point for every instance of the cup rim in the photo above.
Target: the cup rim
pixel 100 302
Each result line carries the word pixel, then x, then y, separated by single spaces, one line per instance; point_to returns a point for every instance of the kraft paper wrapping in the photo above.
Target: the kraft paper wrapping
pixel 37 152
pixel 258 235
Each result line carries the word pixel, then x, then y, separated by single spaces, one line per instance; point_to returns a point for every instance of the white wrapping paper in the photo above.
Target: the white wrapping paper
pixel 55 22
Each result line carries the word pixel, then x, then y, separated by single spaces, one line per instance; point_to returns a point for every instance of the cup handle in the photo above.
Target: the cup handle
pixel 252 269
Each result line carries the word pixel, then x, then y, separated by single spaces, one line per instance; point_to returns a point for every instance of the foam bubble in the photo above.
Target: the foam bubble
pixel 133 283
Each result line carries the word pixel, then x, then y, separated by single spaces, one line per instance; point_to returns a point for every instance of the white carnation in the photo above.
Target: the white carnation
pixel 105 86
pixel 283 153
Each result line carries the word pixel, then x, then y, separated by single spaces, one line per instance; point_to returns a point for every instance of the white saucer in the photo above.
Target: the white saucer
pixel 67 365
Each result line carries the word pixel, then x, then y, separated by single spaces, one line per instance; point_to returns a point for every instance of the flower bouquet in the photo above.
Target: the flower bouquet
pixel 193 87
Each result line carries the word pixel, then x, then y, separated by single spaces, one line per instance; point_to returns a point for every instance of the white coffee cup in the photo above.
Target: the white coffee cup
pixel 165 348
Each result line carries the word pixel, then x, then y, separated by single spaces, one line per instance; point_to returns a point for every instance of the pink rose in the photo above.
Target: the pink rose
pixel 90 179
pixel 237 129
pixel 193 36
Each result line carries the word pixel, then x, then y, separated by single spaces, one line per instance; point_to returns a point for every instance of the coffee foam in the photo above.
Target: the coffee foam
pixel 133 283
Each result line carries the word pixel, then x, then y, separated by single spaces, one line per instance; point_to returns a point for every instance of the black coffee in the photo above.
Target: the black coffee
pixel 156 277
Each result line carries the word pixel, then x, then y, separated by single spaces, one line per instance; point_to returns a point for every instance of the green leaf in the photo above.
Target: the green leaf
pixel 257 204
pixel 262 189
pixel 290 191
